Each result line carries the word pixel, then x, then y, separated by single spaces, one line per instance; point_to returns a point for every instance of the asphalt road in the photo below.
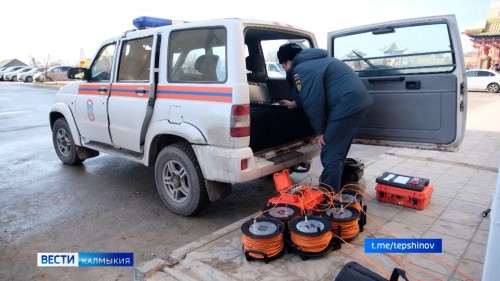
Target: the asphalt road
pixel 106 205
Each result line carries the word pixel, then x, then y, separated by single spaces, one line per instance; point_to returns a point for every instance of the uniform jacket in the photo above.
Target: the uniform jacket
pixel 326 88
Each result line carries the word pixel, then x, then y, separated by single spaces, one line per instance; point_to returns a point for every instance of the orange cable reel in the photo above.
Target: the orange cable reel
pixel 311 237
pixel 284 213
pixel 343 219
pixel 263 239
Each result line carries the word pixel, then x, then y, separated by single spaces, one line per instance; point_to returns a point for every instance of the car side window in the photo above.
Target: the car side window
pixel 470 73
pixel 197 55
pixel 101 68
pixel 484 74
pixel 392 51
pixel 135 60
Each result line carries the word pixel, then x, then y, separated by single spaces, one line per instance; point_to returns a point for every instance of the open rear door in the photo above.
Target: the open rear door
pixel 415 71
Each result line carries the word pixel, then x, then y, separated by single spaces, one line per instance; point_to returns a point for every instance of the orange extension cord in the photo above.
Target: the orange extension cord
pixel 271 246
pixel 311 244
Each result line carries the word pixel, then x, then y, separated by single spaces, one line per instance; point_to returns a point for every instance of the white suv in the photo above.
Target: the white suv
pixel 179 98
pixel 187 99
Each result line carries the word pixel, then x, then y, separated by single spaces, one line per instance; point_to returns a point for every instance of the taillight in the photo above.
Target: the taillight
pixel 244 164
pixel 240 120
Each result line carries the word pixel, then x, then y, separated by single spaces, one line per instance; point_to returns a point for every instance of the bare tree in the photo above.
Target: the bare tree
pixel 45 63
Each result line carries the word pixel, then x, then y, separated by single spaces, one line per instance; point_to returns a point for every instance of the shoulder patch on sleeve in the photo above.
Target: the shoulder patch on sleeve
pixel 298 84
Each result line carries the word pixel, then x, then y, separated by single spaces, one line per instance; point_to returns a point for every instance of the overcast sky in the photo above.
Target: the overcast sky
pixel 60 28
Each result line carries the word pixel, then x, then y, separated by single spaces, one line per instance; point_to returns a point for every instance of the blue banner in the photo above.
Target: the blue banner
pixel 403 245
pixel 105 259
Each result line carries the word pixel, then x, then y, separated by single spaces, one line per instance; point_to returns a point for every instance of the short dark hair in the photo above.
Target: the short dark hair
pixel 288 51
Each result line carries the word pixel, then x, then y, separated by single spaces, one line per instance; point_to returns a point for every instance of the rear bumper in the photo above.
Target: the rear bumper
pixel 225 164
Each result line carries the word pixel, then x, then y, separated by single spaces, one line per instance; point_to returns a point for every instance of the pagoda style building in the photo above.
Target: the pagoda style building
pixel 486 40
pixel 391 50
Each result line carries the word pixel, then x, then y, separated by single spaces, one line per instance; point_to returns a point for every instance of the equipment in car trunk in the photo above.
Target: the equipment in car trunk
pixel 409 191
pixel 272 126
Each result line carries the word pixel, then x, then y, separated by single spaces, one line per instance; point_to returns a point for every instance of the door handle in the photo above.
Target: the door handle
pixel 140 91
pixel 102 90
pixel 386 79
pixel 413 85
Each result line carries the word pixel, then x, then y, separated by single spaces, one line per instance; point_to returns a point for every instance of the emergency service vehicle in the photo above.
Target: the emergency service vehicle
pixel 194 99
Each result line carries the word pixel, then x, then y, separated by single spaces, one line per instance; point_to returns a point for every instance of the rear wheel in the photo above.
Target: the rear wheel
pixel 179 180
pixel 493 88
pixel 63 143
pixel 28 79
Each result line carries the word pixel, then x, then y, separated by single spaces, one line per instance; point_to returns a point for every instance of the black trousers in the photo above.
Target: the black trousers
pixel 338 138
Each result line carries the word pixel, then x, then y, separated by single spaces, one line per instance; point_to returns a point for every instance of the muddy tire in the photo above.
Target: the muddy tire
pixel 63 143
pixel 179 180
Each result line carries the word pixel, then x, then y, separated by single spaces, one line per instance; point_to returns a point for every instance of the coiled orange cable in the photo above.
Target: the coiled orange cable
pixel 355 204
pixel 271 246
pixel 349 229
pixel 311 244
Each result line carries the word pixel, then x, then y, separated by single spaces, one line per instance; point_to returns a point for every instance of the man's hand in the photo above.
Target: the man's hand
pixel 320 140
pixel 289 104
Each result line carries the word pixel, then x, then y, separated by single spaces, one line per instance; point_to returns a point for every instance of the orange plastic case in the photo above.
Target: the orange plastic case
pixel 282 180
pixel 304 199
pixel 405 197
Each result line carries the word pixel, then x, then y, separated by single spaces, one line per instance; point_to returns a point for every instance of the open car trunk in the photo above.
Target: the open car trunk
pixel 273 125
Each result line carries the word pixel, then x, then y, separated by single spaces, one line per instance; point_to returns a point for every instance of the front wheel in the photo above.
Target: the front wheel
pixel 493 88
pixel 179 180
pixel 63 143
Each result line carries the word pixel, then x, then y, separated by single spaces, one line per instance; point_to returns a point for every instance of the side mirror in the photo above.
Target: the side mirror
pixel 78 73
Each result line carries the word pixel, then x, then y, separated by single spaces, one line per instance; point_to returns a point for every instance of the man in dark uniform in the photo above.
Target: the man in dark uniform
pixel 333 98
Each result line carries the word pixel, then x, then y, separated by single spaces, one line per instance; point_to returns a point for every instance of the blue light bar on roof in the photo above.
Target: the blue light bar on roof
pixel 148 22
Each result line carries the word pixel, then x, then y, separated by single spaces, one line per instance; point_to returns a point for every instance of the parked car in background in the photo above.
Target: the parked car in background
pixel 483 80
pixel 10 69
pixel 274 69
pixel 12 76
pixel 56 73
pixel 28 76
pixel 2 69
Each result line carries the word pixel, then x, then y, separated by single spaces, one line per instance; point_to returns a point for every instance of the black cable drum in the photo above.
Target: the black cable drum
pixel 314 226
pixel 262 228
pixel 349 214
pixel 282 212
pixel 311 228
pixel 352 197
pixel 342 217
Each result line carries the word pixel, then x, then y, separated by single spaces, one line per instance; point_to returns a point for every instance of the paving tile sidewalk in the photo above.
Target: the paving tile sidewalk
pixel 463 182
